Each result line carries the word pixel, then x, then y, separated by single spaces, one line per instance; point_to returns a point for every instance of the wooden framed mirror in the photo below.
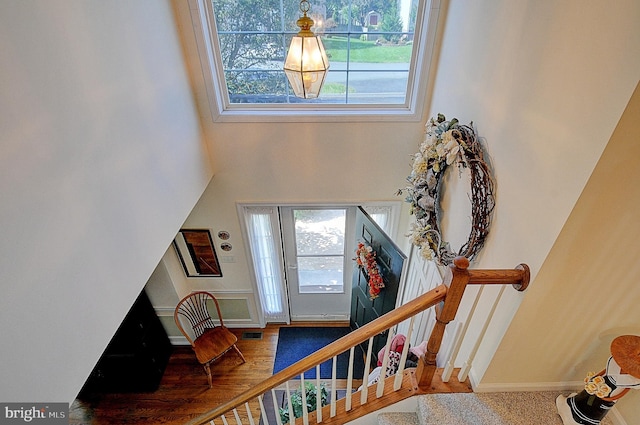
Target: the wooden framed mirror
pixel 197 253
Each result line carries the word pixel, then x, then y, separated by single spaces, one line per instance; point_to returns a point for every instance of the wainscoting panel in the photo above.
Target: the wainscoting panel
pixel 238 310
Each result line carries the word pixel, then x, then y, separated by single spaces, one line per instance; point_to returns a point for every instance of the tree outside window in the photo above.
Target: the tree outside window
pixel 253 36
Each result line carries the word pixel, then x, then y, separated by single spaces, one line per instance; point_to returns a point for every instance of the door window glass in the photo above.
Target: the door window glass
pixel 320 249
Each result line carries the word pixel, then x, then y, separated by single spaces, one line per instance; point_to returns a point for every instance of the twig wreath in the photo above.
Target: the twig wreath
pixel 366 259
pixel 446 143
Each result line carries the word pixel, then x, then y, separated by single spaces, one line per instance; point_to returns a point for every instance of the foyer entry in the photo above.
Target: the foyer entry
pixel 303 258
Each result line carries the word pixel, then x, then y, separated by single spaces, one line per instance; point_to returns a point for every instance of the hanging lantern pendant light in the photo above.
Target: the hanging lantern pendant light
pixel 306 64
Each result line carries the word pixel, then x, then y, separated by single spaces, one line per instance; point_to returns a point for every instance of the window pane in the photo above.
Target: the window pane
pixel 320 232
pixel 365 49
pixel 359 36
pixel 244 84
pixel 245 50
pixel 320 249
pixel 335 87
pixel 320 274
pixel 251 15
pixel 378 87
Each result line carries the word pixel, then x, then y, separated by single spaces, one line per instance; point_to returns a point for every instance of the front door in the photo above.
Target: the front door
pixel 390 260
pixel 317 261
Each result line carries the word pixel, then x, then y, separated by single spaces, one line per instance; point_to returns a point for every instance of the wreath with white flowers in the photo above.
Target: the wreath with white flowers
pixel 447 143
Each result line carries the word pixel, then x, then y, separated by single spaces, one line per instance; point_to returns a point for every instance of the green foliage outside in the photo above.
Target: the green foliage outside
pixel 336 88
pixel 391 22
pixel 311 393
pixel 341 11
pixel 252 50
pixel 366 51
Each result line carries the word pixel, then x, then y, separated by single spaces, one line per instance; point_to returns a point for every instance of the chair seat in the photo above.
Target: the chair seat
pixel 216 340
pixel 213 343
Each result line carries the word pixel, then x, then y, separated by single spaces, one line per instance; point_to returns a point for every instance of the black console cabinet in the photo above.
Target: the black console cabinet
pixel 137 355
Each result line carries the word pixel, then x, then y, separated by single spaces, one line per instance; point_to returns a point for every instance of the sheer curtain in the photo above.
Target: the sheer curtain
pixel 264 240
pixel 384 216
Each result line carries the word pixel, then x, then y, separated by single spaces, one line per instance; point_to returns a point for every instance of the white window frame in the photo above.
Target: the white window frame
pixel 429 13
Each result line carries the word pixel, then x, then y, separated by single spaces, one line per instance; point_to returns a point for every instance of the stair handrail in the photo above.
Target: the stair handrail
pixel 360 335
pixel 446 297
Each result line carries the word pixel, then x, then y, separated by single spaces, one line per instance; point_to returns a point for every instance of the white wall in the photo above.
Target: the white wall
pixel 287 163
pixel 546 83
pixel 587 291
pixel 101 159
pixel 102 156
pixel 331 162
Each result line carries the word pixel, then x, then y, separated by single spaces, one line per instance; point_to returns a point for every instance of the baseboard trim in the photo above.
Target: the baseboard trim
pixel 527 386
pixel 178 340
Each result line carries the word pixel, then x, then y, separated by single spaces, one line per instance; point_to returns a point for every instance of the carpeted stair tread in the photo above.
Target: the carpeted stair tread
pixel 398 418
pixel 507 408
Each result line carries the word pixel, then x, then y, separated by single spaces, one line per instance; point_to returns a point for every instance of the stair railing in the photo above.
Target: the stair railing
pixel 387 390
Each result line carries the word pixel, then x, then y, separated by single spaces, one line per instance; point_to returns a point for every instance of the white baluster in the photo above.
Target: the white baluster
pixel 246 406
pixel 276 408
pixel 237 416
pixel 224 420
pixel 347 405
pixel 334 372
pixel 448 369
pixel 292 419
pixel 365 377
pixel 451 354
pixel 466 367
pixel 385 363
pixel 263 411
pixel 318 396
pixel 397 383
pixel 303 393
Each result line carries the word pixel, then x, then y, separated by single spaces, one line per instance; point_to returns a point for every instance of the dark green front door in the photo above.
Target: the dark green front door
pixel 390 261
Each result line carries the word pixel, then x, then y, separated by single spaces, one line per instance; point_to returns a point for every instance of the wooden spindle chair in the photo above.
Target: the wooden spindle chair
pixel 208 340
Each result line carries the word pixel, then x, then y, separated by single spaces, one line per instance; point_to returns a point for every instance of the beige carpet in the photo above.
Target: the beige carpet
pixel 513 408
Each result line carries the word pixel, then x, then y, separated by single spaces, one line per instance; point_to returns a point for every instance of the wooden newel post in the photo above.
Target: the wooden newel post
pixel 455 279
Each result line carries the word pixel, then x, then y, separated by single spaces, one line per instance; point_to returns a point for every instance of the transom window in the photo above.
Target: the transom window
pixel 377 51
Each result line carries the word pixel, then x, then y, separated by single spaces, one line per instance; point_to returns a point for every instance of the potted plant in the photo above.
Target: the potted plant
pixel 311 393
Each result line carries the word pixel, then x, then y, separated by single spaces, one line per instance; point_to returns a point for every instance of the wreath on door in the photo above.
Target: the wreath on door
pixel 366 260
pixel 447 143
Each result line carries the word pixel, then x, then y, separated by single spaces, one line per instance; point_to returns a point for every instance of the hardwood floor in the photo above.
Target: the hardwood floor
pixel 184 393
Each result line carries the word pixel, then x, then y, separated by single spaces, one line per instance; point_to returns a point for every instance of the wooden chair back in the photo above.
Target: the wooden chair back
pixel 194 309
